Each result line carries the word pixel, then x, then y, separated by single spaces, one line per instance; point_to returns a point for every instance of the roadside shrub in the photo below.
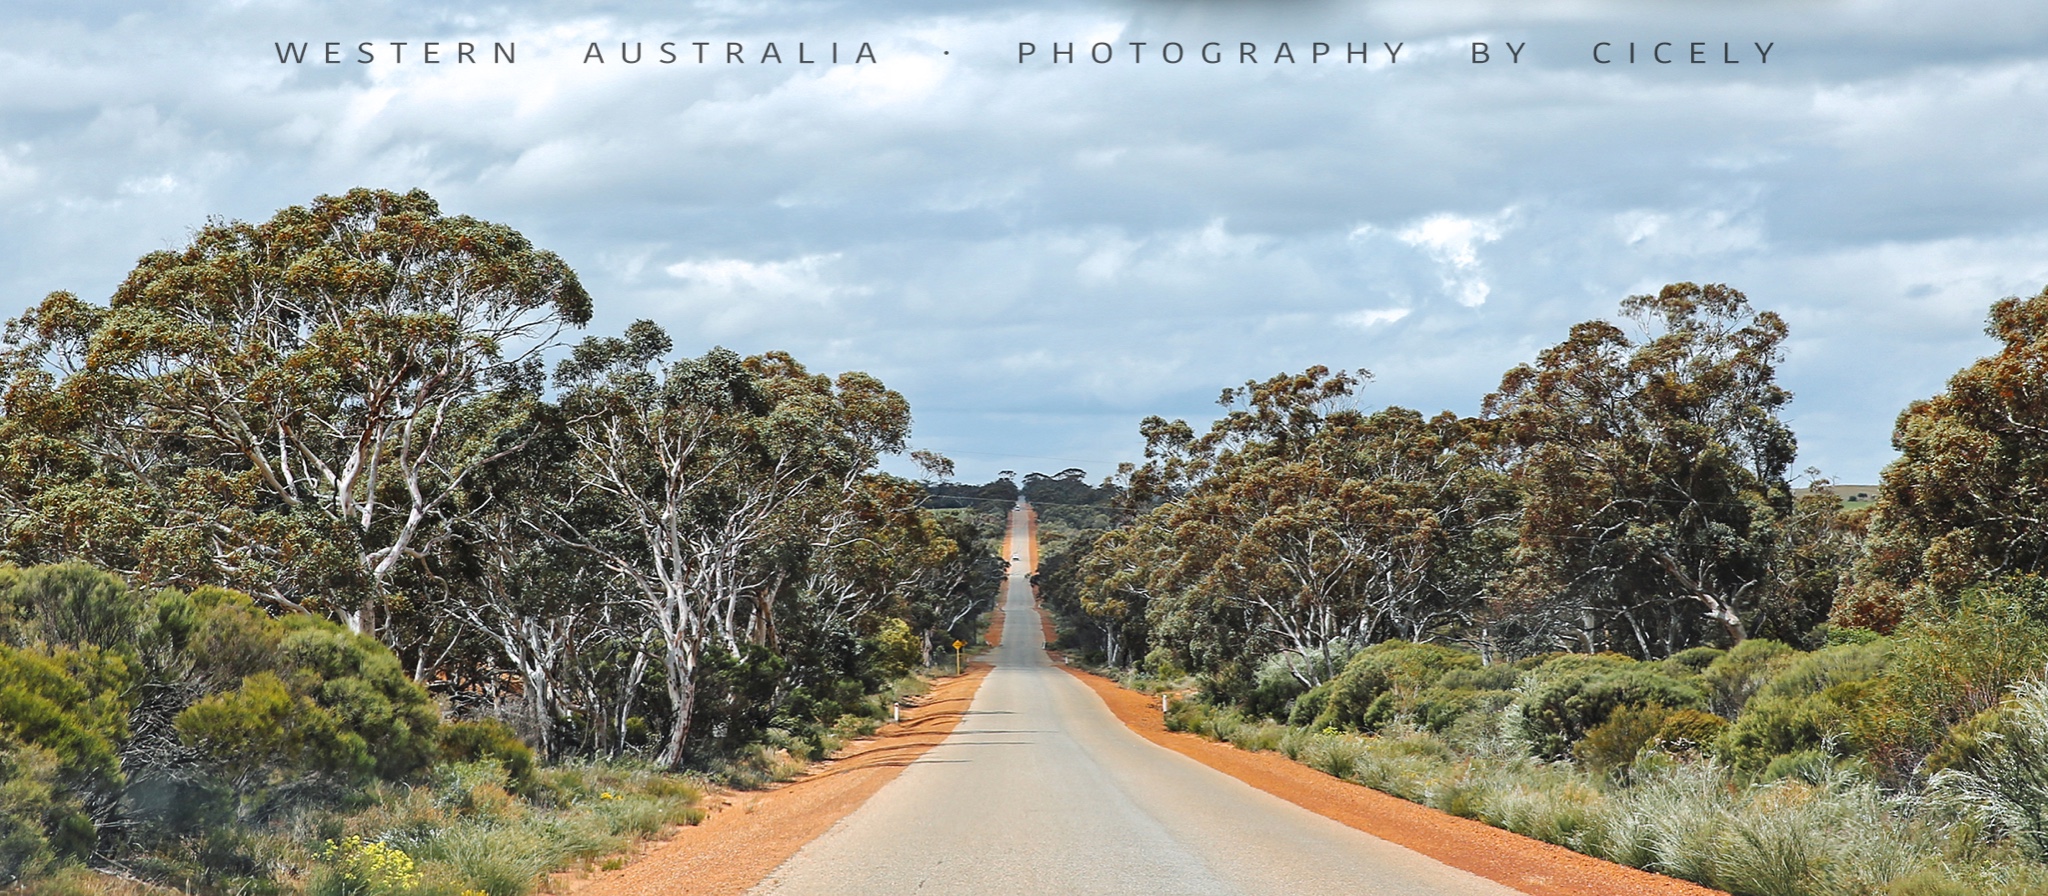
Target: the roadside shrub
pixel 1689 731
pixel 1575 694
pixel 1815 672
pixel 354 866
pixel 1439 708
pixel 1735 676
pixel 62 717
pixel 30 801
pixel 1951 666
pixel 66 604
pixel 2006 786
pixel 1380 680
pixel 1970 743
pixel 1310 705
pixel 1282 678
pixel 1496 677
pixel 477 789
pixel 361 683
pixel 489 739
pixel 1810 703
pixel 1611 747
pixel 897 649
pixel 1692 661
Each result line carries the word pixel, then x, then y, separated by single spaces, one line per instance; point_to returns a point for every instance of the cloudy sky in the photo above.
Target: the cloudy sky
pixel 1040 254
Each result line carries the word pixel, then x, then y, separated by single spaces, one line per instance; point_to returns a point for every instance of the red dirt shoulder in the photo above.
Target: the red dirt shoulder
pixel 1531 866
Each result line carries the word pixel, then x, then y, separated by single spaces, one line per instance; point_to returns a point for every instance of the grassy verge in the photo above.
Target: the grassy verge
pixel 1829 833
pixel 783 753
pixel 467 831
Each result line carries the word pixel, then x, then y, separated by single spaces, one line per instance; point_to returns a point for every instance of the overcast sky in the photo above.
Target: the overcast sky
pixel 1040 254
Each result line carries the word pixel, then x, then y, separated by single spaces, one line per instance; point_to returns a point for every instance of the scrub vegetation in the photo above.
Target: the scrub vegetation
pixel 328 564
pixel 1600 614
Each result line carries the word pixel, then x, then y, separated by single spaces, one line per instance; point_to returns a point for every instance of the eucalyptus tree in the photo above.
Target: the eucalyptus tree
pixel 696 482
pixel 1964 502
pixel 295 403
pixel 957 577
pixel 1110 583
pixel 1320 524
pixel 1652 473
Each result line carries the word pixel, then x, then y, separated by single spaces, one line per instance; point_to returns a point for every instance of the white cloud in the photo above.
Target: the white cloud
pixel 723 298
pixel 795 278
pixel 1134 236
pixel 1367 318
pixel 1689 233
pixel 1454 241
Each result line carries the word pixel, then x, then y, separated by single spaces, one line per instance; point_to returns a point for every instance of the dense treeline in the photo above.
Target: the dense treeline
pixel 1623 494
pixel 344 413
pixel 1599 613
pixel 1620 493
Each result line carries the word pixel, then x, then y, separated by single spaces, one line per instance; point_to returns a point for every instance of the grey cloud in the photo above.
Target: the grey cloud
pixel 1039 255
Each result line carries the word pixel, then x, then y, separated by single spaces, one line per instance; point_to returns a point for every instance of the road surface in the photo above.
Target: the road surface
pixel 1041 791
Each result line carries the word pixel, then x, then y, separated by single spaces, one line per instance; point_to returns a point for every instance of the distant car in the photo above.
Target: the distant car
pixel 1017 557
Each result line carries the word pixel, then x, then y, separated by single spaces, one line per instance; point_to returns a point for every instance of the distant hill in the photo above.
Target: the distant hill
pixel 1853 496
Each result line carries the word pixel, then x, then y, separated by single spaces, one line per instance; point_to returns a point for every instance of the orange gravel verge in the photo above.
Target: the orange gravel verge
pixel 750 834
pixel 1531 866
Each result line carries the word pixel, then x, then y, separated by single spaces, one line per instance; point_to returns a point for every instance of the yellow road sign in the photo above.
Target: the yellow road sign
pixel 959 644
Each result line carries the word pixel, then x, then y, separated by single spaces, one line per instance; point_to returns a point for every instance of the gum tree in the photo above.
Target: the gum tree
pixel 1964 501
pixel 297 402
pixel 1653 472
pixel 703 483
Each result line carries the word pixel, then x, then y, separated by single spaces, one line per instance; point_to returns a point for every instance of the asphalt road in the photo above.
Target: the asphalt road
pixel 1041 791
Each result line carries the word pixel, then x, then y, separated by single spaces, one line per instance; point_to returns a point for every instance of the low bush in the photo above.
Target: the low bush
pixel 1610 748
pixel 1572 695
pixel 1381 682
pixel 1813 703
pixel 1736 675
pixel 489 740
pixel 2004 785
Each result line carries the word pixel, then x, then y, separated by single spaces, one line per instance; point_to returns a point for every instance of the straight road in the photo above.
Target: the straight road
pixel 1041 791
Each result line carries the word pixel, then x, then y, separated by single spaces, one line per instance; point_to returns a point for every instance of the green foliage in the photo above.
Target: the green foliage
pixel 361 684
pixel 312 390
pixel 1735 676
pixel 1688 731
pixel 896 648
pixel 1960 504
pixel 1652 477
pixel 489 740
pixel 1444 707
pixel 336 712
pixel 1382 682
pixel 1574 694
pixel 1968 745
pixel 1612 745
pixel 2005 784
pixel 1813 703
pixel 33 811
pixel 69 604
pixel 70 703
pixel 1693 660
pixel 1947 667
pixel 341 411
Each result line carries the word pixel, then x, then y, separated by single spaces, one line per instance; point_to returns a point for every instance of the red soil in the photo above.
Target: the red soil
pixel 750 834
pixel 1531 866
